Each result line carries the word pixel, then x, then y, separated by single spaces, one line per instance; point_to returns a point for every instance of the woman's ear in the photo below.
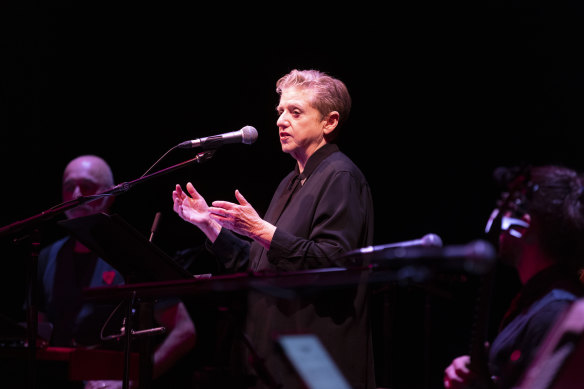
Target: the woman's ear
pixel 331 123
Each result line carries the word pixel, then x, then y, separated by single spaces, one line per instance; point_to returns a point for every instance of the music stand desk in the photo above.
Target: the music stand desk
pixel 126 249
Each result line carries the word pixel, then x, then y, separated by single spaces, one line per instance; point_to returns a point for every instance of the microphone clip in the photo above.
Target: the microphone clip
pixel 205 155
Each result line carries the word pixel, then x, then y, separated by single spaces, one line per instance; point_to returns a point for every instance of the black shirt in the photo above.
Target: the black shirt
pixel 330 213
pixel 531 315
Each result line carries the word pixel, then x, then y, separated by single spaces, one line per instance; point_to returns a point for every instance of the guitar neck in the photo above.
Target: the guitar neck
pixel 480 330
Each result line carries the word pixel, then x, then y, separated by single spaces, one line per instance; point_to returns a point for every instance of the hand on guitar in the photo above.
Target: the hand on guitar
pixel 459 375
pixel 107 384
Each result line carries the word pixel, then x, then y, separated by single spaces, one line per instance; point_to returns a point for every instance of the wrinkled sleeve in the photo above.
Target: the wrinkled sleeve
pixel 540 325
pixel 231 251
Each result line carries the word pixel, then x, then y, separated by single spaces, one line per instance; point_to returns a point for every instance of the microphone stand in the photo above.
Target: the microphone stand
pixel 29 228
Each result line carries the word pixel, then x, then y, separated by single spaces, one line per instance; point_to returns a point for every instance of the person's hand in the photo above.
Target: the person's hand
pixel 242 218
pixel 193 208
pixel 107 384
pixel 458 374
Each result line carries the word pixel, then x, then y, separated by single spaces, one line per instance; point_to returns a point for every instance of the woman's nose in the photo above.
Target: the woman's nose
pixel 281 122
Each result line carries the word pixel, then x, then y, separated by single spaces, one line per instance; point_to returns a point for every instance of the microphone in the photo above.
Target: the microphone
pixel 476 257
pixel 246 135
pixel 428 240
pixel 155 224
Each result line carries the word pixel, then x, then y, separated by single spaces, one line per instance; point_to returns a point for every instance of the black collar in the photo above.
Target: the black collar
pixel 316 158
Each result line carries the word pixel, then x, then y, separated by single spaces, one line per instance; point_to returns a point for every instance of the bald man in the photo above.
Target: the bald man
pixel 66 267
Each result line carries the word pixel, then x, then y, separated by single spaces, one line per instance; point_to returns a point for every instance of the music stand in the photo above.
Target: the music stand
pixel 138 260
pixel 126 249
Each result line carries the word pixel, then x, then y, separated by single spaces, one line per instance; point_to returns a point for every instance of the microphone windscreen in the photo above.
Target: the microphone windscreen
pixel 250 135
pixel 156 221
pixel 431 240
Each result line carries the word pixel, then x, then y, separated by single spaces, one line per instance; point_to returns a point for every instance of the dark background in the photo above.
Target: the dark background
pixel 441 97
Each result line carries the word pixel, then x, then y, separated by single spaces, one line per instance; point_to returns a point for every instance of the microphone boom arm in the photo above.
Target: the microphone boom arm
pixel 48 214
pixel 126 186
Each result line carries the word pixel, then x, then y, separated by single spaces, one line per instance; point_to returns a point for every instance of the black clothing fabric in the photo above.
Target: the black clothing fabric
pixel 531 315
pixel 62 276
pixel 320 215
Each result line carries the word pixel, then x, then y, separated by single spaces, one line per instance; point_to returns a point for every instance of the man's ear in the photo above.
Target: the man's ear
pixel 109 202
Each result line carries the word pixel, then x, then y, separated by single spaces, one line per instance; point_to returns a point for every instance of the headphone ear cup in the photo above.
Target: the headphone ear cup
pixel 514 226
